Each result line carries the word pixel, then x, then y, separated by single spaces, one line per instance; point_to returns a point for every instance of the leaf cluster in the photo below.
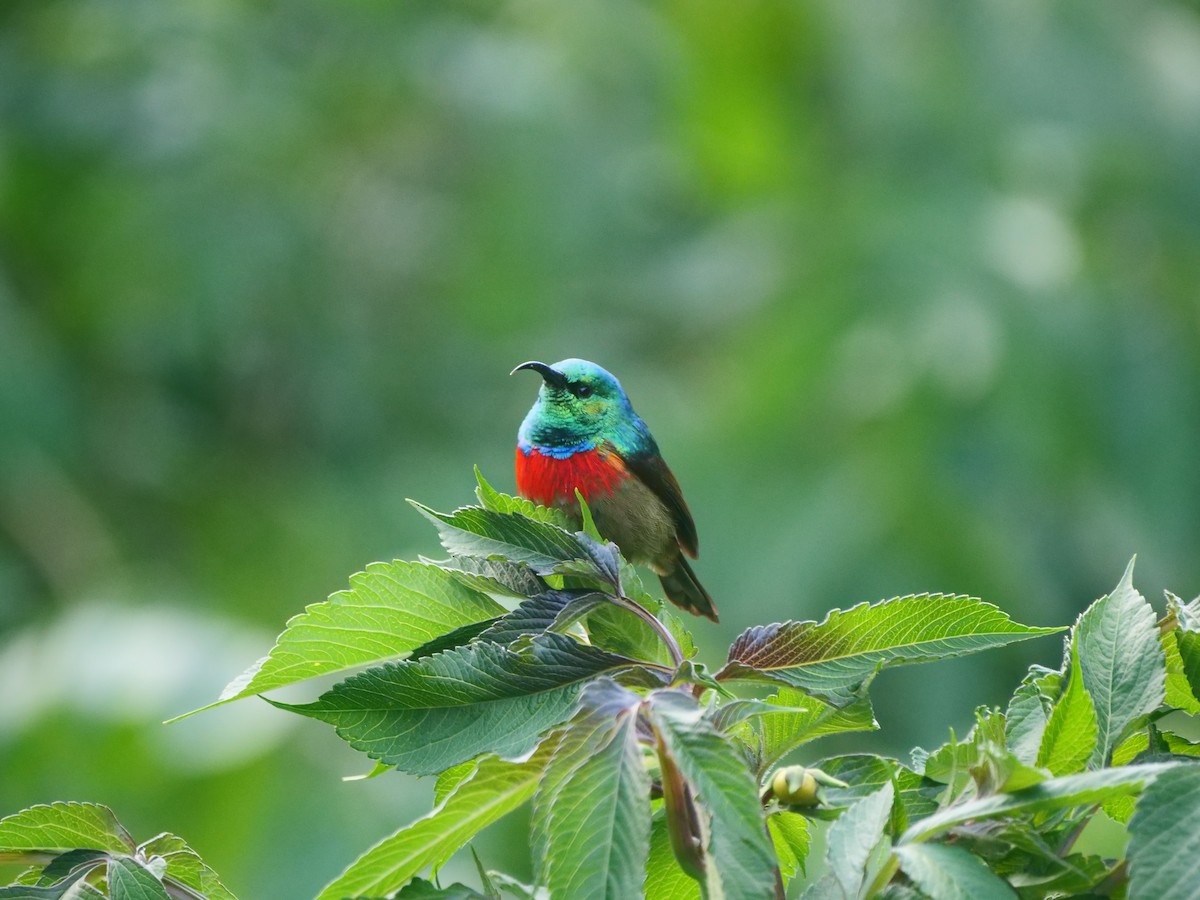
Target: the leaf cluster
pixel 77 851
pixel 531 666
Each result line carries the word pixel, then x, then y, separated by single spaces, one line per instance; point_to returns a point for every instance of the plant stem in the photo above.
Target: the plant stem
pixel 885 875
pixel 660 629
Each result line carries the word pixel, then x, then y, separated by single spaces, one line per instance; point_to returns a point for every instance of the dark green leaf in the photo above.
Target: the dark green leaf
pixel 459 637
pixel 78 890
pixel 1124 669
pixel 420 889
pixel 65 863
pixel 742 859
pixel 548 611
pixel 128 880
pixel 425 716
pixel 837 655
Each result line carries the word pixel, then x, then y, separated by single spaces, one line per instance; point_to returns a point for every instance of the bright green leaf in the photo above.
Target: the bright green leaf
pixel 493 789
pixel 59 827
pixel 1124 669
pixel 835 656
pixel 664 879
pixel 1070 735
pixel 425 716
pixel 492 499
pixel 785 732
pixel 185 866
pixel 390 609
pixel 789 834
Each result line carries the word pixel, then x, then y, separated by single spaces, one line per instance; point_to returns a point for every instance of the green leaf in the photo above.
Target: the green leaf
pixel 789 834
pixel 498 577
pixel 127 880
pixel 58 827
pixel 1027 714
pixel 783 733
pixel 1164 842
pixel 425 716
pixel 619 631
pixel 459 637
pixel 1186 636
pixel 951 873
pixel 1179 693
pixel 1055 793
pixel 1124 669
pixel 548 611
pixel 474 531
pixel 833 657
pixel 853 837
pixel 72 888
pixel 420 889
pixel 732 713
pixel 492 499
pixel 585 513
pixel 185 866
pixel 591 813
pixel 740 850
pixel 1069 739
pixel 866 773
pixel 664 879
pixel 62 878
pixel 390 609
pixel 493 789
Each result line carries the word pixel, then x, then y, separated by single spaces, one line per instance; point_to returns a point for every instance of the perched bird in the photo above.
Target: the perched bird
pixel 582 433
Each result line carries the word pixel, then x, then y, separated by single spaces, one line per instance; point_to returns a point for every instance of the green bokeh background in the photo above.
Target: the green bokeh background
pixel 909 293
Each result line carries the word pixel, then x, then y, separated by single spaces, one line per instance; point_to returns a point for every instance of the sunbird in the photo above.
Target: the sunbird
pixel 582 433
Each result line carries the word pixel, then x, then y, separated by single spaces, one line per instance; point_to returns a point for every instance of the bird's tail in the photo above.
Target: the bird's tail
pixel 685 591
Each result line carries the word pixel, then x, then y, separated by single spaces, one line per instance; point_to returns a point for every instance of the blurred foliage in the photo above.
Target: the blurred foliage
pixel 917 281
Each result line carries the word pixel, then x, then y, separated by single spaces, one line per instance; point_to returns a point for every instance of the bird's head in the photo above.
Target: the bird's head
pixel 578 405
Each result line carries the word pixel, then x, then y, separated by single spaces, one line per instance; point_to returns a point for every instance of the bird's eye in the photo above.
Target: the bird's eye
pixel 581 390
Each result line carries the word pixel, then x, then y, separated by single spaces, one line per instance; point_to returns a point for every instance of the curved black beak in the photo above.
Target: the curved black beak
pixel 552 377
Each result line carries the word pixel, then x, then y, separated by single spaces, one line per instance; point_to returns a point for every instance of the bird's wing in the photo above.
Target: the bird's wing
pixel 652 470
